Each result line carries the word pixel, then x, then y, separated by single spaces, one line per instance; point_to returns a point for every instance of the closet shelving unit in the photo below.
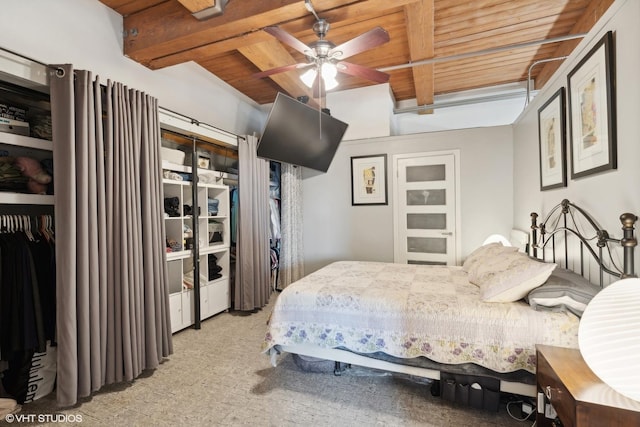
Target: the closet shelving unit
pixel 209 291
pixel 24 84
pixel 25 146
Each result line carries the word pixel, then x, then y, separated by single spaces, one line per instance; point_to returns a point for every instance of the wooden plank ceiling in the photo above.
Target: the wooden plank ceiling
pixel 232 46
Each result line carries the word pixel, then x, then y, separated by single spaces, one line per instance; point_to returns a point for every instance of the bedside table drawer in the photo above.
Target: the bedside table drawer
pixel 555 392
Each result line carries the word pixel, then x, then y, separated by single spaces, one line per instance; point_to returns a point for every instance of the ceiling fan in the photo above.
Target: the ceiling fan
pixel 325 59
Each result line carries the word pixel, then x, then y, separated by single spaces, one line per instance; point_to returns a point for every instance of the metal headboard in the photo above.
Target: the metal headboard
pixel 562 221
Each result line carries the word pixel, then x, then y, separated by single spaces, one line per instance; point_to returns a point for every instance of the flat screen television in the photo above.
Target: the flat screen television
pixel 298 134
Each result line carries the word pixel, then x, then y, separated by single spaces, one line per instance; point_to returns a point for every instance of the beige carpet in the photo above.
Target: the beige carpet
pixel 218 377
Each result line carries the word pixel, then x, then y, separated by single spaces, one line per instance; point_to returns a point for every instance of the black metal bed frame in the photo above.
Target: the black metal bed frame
pixel 562 220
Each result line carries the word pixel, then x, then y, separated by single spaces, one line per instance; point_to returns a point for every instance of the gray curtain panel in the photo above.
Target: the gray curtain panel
pixel 292 252
pixel 253 260
pixel 112 302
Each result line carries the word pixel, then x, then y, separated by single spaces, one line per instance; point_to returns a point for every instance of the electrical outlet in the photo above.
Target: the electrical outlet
pixel 527 408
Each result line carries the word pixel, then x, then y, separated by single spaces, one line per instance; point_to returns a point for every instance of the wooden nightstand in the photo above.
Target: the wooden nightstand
pixel 577 394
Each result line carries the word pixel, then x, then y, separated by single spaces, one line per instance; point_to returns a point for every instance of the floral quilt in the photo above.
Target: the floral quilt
pixel 410 311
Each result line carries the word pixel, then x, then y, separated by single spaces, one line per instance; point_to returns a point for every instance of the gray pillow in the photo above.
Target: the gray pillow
pixel 564 290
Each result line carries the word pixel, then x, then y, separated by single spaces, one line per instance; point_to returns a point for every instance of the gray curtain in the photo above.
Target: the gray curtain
pixel 253 260
pixel 112 302
pixel 292 251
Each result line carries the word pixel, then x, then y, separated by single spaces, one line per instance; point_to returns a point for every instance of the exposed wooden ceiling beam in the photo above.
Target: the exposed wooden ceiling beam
pixel 194 6
pixel 420 28
pixel 271 54
pixel 210 50
pixel 168 27
pixel 593 12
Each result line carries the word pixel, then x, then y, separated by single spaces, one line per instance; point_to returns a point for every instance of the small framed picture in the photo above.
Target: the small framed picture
pixel 592 115
pixel 203 162
pixel 369 180
pixel 551 134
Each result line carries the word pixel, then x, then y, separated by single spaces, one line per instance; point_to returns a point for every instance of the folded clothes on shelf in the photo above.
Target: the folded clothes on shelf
pixel 212 206
pixel 215 231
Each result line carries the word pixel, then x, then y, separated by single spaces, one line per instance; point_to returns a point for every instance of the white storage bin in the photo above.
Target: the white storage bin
pixel 171 155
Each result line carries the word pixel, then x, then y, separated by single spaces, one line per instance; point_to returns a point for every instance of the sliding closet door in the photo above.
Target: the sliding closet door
pixel 425 208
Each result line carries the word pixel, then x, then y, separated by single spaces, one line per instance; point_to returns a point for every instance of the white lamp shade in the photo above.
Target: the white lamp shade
pixel 328 73
pixel 609 336
pixel 496 238
pixel 329 70
pixel 309 76
pixel 330 83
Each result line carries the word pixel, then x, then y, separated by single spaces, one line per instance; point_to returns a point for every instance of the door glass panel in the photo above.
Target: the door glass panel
pixel 430 245
pixel 426 197
pixel 427 221
pixel 426 173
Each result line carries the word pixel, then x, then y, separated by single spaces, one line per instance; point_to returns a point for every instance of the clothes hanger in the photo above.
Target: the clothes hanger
pixel 27 221
pixel 50 227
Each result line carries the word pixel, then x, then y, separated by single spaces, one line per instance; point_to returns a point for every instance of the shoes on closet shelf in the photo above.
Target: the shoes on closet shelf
pixel 172 206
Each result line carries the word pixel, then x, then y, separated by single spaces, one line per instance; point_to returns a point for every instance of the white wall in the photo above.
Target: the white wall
pixel 366 119
pixel 334 230
pixel 88 35
pixel 608 194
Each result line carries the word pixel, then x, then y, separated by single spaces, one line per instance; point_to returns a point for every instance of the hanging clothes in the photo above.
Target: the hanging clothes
pixel 27 304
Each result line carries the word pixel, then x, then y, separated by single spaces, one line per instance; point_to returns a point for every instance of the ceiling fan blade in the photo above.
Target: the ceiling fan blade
pixel 364 72
pixel 364 41
pixel 288 39
pixel 267 73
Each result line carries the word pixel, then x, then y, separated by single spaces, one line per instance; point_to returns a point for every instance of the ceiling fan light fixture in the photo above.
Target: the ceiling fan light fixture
pixel 309 76
pixel 329 70
pixel 330 83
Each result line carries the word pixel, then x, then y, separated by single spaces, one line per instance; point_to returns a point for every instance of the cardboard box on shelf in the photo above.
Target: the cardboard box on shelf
pixel 14 126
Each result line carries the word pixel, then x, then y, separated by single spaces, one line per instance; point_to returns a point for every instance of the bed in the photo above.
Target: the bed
pixel 481 320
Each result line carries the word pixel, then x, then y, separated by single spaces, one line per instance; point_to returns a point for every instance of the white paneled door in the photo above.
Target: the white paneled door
pixel 426 208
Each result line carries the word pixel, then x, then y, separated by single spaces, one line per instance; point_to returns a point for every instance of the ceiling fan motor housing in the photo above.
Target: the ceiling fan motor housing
pixel 322 48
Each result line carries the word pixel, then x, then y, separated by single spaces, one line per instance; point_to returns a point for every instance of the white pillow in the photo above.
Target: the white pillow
pixel 485 253
pixel 510 278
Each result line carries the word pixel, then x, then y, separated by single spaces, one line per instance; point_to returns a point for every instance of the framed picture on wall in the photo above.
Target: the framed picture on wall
pixel 369 180
pixel 551 135
pixel 592 115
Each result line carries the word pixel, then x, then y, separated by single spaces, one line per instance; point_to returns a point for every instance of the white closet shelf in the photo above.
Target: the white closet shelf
pixel 25 199
pixel 220 217
pixel 205 250
pixel 25 141
pixel 175 182
pixel 220 187
pixel 178 255
pixel 176 167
